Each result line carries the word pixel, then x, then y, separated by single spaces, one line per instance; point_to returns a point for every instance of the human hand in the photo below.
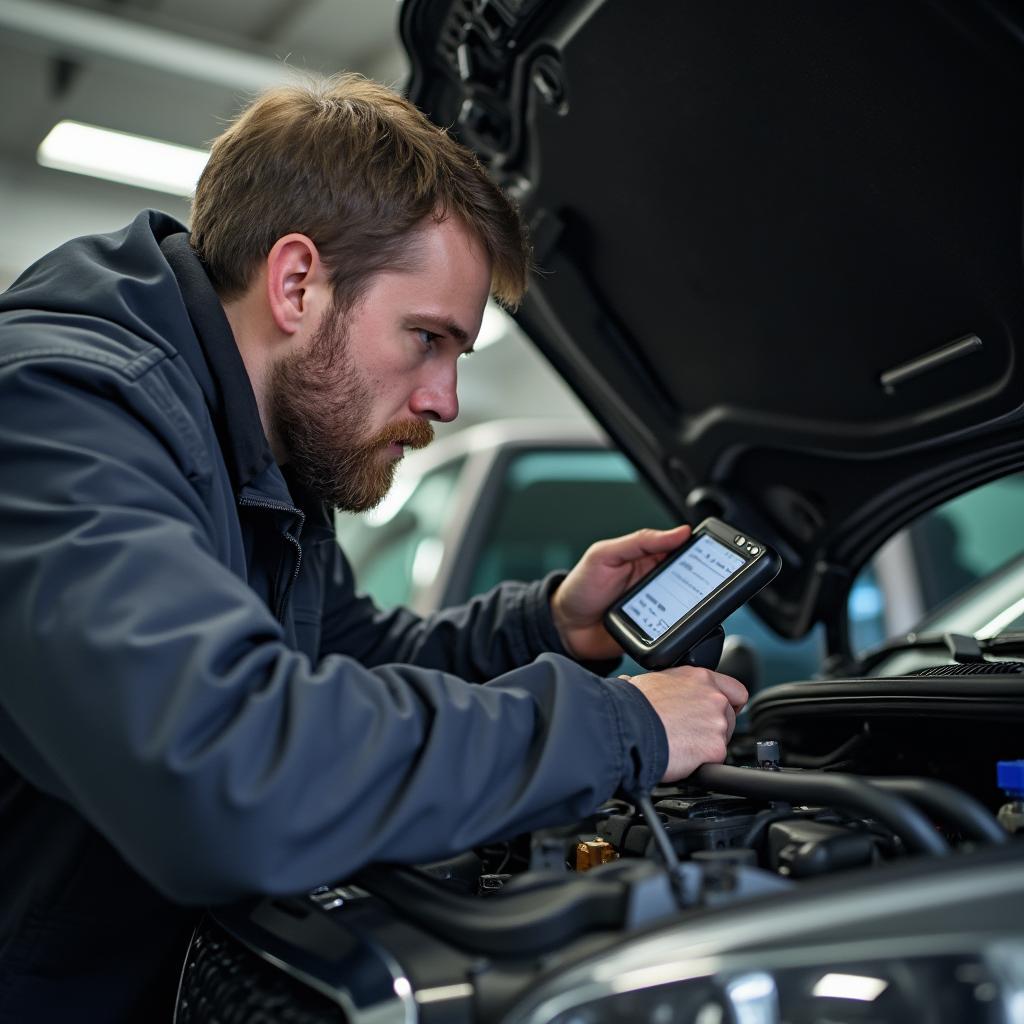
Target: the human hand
pixel 698 709
pixel 605 572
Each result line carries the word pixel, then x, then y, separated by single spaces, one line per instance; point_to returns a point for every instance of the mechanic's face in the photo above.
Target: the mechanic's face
pixel 370 382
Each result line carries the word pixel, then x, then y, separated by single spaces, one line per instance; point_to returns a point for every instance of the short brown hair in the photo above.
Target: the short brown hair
pixel 358 169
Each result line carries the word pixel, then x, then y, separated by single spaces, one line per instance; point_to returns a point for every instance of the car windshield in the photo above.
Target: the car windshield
pixel 958 570
pixel 992 607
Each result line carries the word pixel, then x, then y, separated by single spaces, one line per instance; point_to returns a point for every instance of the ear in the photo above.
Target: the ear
pixel 295 282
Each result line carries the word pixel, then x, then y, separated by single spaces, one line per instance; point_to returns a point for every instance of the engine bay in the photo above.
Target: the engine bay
pixel 471 937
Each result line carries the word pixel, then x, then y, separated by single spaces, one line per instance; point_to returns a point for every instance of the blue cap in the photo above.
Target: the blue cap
pixel 1010 776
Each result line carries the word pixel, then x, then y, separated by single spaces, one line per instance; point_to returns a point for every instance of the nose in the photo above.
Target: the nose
pixel 437 398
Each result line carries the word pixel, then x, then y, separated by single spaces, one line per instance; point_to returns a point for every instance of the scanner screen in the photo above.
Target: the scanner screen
pixel 682 585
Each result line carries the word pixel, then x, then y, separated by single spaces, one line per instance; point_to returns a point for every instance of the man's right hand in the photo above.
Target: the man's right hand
pixel 698 709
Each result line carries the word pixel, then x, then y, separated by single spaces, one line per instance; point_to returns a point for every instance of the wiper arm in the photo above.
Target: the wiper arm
pixel 1005 643
pixel 910 642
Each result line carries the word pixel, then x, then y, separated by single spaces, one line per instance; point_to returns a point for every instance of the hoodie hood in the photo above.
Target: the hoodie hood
pixel 121 277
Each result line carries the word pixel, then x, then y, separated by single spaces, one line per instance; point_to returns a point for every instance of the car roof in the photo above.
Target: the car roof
pixel 496 434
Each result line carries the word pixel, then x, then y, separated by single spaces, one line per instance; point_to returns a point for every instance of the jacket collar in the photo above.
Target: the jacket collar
pixel 233 406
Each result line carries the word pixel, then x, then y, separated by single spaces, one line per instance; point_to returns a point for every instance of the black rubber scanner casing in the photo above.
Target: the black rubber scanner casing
pixel 672 647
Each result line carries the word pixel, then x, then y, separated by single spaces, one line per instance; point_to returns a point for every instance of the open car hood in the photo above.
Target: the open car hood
pixel 780 246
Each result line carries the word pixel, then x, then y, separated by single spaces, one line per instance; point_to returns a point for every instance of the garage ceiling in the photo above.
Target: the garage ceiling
pixel 170 69
pixel 177 70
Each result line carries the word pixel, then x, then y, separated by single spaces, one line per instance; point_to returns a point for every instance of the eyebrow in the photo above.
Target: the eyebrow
pixel 442 326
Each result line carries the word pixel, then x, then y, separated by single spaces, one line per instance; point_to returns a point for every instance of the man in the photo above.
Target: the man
pixel 195 704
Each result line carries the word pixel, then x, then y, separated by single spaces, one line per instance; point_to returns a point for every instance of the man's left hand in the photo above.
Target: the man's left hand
pixel 605 572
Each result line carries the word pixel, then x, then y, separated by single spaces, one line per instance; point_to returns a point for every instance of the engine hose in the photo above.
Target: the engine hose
pixel 850 791
pixel 949 804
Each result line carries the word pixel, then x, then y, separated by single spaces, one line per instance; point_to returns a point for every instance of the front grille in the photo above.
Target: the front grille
pixel 223 982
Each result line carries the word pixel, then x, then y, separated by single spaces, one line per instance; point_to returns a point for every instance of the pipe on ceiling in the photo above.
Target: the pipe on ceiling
pixel 78 30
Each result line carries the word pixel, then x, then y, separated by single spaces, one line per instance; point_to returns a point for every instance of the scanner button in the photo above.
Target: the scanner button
pixel 740 539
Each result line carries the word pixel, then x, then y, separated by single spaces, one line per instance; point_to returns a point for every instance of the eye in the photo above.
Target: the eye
pixel 427 338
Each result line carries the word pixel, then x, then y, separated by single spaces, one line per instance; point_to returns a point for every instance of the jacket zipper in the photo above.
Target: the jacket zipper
pixel 279 506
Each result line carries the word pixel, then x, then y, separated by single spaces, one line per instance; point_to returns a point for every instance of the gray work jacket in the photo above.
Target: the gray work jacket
pixel 195 703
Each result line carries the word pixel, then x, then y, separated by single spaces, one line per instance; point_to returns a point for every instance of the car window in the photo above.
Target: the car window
pixel 398 547
pixel 929 575
pixel 994 605
pixel 866 611
pixel 553 504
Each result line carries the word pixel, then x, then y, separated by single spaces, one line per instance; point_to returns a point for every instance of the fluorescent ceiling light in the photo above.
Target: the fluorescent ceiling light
pixel 118 156
pixel 850 986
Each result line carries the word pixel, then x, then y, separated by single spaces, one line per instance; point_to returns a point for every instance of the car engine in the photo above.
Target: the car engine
pixel 470 937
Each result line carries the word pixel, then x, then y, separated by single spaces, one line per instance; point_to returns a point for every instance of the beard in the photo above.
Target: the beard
pixel 319 406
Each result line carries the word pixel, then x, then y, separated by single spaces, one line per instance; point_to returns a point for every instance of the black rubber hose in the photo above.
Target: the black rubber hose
pixel 949 804
pixel 657 830
pixel 514 923
pixel 828 788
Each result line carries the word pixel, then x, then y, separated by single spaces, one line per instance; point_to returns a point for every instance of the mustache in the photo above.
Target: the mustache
pixel 411 433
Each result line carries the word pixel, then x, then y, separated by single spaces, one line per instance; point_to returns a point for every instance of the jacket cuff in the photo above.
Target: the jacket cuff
pixel 539 625
pixel 642 737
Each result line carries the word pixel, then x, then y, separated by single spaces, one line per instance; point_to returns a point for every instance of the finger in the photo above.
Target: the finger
pixel 730 716
pixel 733 689
pixel 628 679
pixel 642 543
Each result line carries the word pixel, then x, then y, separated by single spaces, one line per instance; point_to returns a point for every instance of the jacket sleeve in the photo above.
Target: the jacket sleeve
pixel 493 633
pixel 149 686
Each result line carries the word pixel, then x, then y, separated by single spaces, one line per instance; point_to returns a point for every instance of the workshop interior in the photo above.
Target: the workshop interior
pixel 779 296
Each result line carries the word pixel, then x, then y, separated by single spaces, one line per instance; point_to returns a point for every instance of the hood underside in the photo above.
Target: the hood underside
pixel 780 246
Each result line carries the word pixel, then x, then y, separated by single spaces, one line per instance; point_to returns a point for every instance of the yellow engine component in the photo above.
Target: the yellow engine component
pixel 594 852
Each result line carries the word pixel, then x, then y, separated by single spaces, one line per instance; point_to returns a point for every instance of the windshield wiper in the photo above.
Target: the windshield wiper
pixel 961 648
